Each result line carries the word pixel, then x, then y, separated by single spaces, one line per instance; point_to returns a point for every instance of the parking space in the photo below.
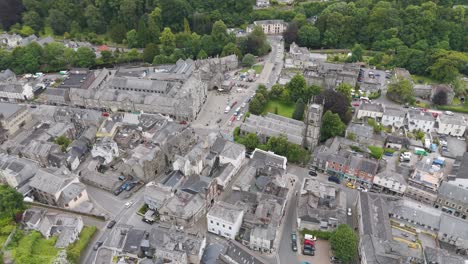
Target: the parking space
pixel 322 253
pixel 455 147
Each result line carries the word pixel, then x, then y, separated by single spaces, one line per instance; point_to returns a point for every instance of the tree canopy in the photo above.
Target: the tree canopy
pixel 401 91
pixel 344 243
pixel 332 126
pixel 11 202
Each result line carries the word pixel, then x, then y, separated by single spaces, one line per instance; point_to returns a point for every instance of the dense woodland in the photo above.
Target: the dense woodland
pixel 426 37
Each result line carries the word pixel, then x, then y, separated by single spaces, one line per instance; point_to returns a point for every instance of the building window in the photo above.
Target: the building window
pixel 211 221
pixel 224 226
pixel 230 228
pixel 217 223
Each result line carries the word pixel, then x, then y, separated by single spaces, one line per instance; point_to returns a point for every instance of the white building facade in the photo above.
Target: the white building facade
pixel 225 220
pixel 270 27
pixel 375 111
pixel 393 118
pixel 418 120
pixel 451 125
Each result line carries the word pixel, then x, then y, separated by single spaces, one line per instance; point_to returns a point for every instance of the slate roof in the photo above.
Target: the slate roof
pixel 71 192
pixel 371 107
pixel 7 109
pixel 48 182
pixel 133 241
pixel 229 213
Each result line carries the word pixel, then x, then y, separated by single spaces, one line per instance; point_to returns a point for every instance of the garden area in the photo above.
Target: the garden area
pixel 32 248
pixel 279 108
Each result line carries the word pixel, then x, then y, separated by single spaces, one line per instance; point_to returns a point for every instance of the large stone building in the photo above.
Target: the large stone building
pixel 13 117
pixel 297 132
pixel 330 75
pixel 269 27
pixel 178 91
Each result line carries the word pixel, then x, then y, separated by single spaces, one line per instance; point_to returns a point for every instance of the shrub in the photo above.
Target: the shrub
pixel 376 152
pixel 74 250
pixel 325 235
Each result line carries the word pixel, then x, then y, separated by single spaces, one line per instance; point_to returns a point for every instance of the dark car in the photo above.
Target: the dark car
pixel 334 179
pixel 294 246
pixel 312 173
pixel 97 245
pixel 111 224
pixel 308 250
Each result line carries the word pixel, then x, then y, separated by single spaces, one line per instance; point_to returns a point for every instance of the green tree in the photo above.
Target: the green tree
pixel 32 19
pixel 299 110
pixel 85 57
pixel 250 141
pixel 309 36
pixel 117 32
pixel 150 51
pixel 356 53
pixel 202 55
pixel 107 57
pixel 132 39
pixel 255 43
pixel 401 91
pixel 11 202
pixel 143 34
pixel 230 49
pixel 285 96
pixel 331 126
pixel 155 25
pixel 167 41
pixel 276 91
pixel 278 145
pixel 296 87
pixel 256 106
pixel 26 31
pixel 59 21
pixel 291 33
pixel 345 89
pixel 344 243
pixel 94 19
pixel 248 60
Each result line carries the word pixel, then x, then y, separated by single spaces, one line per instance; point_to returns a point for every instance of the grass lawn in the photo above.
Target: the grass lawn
pixel 422 79
pixel 285 110
pixel 258 69
pixel 454 108
pixel 456 101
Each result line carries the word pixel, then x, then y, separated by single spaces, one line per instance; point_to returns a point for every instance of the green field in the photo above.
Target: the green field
pixel 285 110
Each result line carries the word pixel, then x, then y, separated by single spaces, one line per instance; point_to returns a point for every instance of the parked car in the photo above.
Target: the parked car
pixel 128 204
pixel 349 212
pixel 350 185
pixel 334 179
pixel 97 245
pixel 111 224
pixel 312 173
pixel 308 250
